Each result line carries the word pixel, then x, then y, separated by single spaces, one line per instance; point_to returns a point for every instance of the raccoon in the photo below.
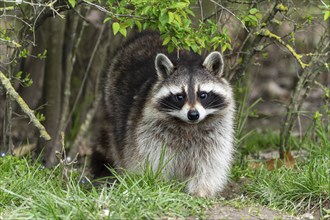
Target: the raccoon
pixel 180 100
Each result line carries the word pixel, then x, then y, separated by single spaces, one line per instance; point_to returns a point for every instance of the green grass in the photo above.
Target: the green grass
pixel 301 189
pixel 27 191
pixel 305 187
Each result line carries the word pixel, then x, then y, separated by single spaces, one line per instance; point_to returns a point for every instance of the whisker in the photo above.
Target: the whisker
pixel 170 106
pixel 217 106
pixel 214 105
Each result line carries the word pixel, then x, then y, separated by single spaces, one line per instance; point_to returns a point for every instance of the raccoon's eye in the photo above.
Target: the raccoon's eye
pixel 203 95
pixel 179 97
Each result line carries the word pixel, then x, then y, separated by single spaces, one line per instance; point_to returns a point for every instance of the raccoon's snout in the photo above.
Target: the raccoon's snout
pixel 193 115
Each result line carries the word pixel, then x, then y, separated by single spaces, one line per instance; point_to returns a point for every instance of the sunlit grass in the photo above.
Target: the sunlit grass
pixel 27 191
pixel 30 191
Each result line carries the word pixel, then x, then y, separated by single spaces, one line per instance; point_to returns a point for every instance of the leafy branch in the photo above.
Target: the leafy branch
pixel 173 19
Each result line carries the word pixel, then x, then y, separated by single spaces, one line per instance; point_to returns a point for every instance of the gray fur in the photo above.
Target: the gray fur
pixel 214 63
pixel 140 118
pixel 163 65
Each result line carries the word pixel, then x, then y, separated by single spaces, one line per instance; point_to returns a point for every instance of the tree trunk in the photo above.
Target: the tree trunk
pixel 52 88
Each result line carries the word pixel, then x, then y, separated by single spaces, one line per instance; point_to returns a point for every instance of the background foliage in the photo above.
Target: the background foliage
pixel 53 52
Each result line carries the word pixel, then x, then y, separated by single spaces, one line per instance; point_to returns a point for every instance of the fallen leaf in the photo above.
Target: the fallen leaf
pixel 288 161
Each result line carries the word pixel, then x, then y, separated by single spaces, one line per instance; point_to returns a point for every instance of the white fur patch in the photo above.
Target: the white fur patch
pixel 208 87
pixel 201 110
pixel 167 90
pixel 183 113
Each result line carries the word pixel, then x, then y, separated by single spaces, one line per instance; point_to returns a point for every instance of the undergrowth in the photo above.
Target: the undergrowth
pixel 303 188
pixel 29 191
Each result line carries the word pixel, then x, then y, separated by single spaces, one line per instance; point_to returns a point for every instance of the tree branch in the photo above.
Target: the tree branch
pixel 248 50
pixel 266 33
pixel 9 88
pixel 86 73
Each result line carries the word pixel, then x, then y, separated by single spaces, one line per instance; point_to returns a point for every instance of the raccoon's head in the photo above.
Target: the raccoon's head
pixel 193 90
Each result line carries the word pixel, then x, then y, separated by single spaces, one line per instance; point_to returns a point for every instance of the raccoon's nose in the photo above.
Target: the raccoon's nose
pixel 193 115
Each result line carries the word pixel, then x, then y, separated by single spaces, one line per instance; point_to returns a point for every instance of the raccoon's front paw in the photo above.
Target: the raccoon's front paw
pixel 203 193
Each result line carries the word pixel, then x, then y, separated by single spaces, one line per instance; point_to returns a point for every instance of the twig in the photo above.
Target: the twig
pixel 86 73
pixel 109 12
pixel 98 7
pixel 309 75
pixel 248 50
pixel 9 113
pixel 84 127
pixel 245 2
pixel 64 163
pixel 230 12
pixel 325 5
pixel 17 18
pixel 266 33
pixel 9 88
pixel 200 2
pixel 71 60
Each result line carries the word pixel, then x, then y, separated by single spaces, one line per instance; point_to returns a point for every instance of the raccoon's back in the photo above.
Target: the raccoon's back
pixel 129 81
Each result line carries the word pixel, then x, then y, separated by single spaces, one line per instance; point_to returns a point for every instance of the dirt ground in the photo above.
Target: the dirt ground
pixel 251 213
pixel 230 210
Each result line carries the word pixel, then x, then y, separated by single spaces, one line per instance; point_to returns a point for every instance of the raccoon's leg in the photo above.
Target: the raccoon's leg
pixel 101 158
pixel 208 183
pixel 98 165
pixel 203 187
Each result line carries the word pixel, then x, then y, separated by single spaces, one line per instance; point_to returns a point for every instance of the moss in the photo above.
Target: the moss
pixel 282 7
pixel 266 33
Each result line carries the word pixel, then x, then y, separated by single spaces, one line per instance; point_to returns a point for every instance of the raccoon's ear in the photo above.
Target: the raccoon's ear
pixel 214 63
pixel 164 66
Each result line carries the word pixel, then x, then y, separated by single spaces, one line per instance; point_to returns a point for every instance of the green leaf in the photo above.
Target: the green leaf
pixel 174 40
pixel 19 74
pixel 42 55
pixel 139 25
pixel 179 5
pixel 145 25
pixel 145 10
pixel 170 17
pixel 190 12
pixel 163 19
pixel 178 19
pixel 123 31
pixel 115 27
pixel 40 117
pixel 326 15
pixel 166 40
pixel 253 18
pixel 194 47
pixel 258 15
pixel 170 48
pixel 229 46
pixel 107 19
pixel 72 3
pixel 24 53
pixel 224 48
pixel 253 11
